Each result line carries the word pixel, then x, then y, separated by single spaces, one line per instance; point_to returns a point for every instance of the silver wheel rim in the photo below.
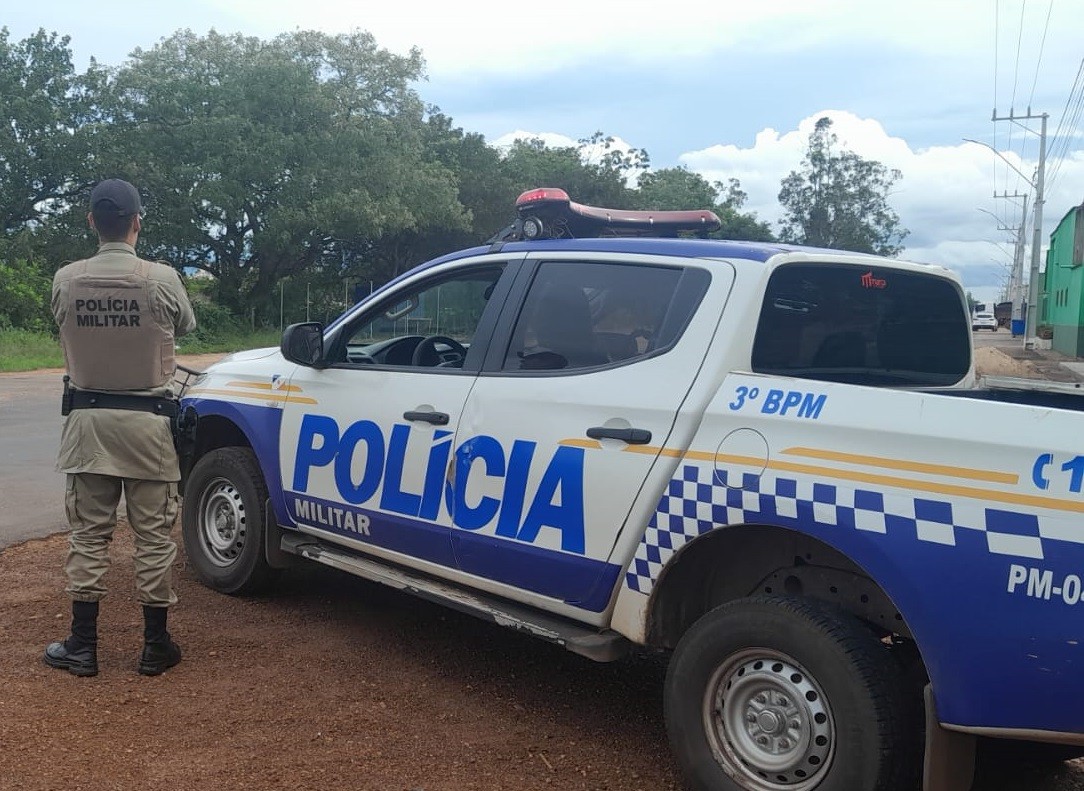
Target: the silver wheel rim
pixel 768 722
pixel 222 522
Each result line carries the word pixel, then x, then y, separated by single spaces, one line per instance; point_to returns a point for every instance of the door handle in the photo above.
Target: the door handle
pixel 436 418
pixel 633 436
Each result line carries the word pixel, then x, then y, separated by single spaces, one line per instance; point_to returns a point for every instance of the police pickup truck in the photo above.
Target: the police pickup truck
pixel 772 462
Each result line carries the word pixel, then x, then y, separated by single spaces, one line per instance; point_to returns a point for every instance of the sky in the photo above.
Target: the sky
pixel 727 88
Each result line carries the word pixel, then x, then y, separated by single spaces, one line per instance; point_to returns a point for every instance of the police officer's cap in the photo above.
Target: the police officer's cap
pixel 115 196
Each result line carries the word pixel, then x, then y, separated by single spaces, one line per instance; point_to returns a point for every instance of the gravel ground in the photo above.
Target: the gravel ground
pixel 328 683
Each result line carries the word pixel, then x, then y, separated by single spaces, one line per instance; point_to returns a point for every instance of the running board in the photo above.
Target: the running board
pixel 604 646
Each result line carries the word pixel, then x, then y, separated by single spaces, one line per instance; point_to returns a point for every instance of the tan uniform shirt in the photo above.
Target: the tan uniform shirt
pixel 119 442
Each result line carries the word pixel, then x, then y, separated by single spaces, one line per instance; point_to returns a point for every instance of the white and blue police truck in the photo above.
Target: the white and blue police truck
pixel 773 462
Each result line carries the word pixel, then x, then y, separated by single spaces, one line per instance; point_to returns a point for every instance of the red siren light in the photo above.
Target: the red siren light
pixel 541 195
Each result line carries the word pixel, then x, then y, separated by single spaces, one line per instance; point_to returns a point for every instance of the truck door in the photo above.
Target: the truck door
pixel 588 368
pixel 366 442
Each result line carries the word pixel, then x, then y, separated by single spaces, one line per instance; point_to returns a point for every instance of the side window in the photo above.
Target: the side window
pixel 857 324
pixel 430 325
pixel 582 315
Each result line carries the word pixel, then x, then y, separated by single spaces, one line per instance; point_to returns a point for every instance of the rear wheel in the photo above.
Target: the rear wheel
pixel 223 522
pixel 783 694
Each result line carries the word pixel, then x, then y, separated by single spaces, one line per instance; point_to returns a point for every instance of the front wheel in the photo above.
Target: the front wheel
pixel 784 694
pixel 223 522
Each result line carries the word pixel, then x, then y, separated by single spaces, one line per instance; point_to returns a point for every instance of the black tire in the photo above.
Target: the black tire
pixel 826 696
pixel 223 522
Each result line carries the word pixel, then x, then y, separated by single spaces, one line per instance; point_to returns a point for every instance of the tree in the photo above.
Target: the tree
pixel 264 160
pixel 24 296
pixel 483 188
pixel 678 188
pixel 594 171
pixel 44 142
pixel 840 200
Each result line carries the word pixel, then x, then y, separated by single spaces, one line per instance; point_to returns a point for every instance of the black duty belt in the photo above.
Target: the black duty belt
pixel 89 399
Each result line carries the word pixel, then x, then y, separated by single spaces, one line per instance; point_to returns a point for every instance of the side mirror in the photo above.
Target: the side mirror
pixel 304 344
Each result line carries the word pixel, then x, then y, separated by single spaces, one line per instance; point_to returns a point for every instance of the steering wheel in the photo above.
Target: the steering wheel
pixel 425 353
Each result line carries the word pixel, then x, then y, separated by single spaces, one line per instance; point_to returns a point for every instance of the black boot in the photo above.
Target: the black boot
pixel 160 653
pixel 78 654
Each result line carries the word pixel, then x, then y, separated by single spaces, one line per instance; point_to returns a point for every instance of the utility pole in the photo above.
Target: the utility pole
pixel 1037 236
pixel 1016 279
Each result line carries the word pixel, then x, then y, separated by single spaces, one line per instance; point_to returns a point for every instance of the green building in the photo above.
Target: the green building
pixel 1063 296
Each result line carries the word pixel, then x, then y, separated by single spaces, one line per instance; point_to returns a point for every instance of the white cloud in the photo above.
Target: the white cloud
pixel 942 197
pixel 495 36
pixel 938 198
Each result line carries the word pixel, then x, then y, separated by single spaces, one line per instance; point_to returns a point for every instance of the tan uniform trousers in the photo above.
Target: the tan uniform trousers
pixel 91 502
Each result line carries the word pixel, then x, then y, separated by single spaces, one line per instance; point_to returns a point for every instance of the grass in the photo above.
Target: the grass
pixel 229 343
pixel 21 350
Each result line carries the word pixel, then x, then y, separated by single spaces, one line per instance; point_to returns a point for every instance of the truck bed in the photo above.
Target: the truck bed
pixel 1027 392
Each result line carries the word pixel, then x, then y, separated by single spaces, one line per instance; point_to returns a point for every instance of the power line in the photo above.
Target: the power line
pixel 1019 38
pixel 1042 46
pixel 997 22
pixel 1069 122
pixel 1015 80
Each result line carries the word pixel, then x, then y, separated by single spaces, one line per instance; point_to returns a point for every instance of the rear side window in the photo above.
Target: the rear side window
pixel 846 323
pixel 584 314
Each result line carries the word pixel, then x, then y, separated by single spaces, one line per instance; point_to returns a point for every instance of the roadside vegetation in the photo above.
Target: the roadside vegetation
pixel 287 178
pixel 23 350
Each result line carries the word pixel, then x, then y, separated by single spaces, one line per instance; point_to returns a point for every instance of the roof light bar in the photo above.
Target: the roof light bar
pixel 549 213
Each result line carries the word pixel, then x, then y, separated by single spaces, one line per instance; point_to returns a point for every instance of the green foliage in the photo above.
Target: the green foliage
pixel 220 330
pixel 45 137
pixel 593 172
pixel 23 350
pixel 267 159
pixel 24 296
pixel 840 200
pixel 742 226
pixel 213 323
pixel 678 188
pixel 238 340
pixel 288 169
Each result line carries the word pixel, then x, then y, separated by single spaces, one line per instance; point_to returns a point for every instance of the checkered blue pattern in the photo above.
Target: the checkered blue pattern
pixel 702 498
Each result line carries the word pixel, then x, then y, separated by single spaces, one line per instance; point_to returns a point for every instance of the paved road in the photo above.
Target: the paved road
pixel 31 493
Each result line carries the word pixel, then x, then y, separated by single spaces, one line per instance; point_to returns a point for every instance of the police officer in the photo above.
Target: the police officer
pixel 118 318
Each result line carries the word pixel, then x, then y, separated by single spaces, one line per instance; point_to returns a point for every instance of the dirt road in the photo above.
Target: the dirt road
pixel 330 683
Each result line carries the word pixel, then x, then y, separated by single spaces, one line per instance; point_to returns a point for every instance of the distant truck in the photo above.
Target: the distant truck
pixel 1003 313
pixel 772 462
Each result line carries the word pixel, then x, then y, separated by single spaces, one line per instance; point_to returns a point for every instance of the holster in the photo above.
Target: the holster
pixel 66 397
pixel 184 439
